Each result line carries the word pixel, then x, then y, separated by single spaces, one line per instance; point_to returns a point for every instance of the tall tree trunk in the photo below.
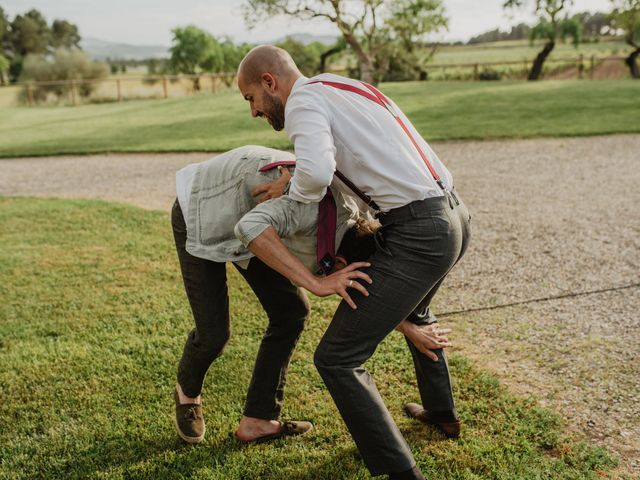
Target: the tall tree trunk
pixel 632 64
pixel 536 68
pixel 367 72
pixel 325 55
pixel 365 60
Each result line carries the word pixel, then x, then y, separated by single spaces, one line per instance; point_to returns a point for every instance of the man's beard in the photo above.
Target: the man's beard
pixel 274 111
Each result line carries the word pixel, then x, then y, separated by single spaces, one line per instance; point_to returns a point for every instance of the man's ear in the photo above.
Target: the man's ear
pixel 269 82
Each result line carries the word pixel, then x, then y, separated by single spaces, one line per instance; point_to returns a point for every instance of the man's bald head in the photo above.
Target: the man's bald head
pixel 266 77
pixel 266 59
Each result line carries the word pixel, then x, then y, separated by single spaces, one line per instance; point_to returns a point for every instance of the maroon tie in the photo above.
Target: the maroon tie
pixel 326 242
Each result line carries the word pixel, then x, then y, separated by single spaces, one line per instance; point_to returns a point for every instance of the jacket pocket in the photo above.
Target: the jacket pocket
pixel 219 209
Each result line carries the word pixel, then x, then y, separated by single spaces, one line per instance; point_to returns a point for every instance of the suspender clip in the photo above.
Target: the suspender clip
pixel 455 197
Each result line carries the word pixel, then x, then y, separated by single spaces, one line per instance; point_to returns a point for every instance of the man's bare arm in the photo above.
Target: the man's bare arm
pixel 269 248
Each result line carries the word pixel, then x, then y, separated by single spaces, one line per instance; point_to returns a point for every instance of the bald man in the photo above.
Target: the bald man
pixel 349 135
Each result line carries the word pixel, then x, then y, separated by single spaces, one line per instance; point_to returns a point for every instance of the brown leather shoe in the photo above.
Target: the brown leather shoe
pixel 450 429
pixel 287 429
pixel 189 421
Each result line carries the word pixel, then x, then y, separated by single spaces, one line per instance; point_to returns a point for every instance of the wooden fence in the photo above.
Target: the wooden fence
pixel 116 91
pixel 117 86
pixel 585 66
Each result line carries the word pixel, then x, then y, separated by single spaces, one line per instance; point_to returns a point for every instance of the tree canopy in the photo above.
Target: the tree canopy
pixel 64 34
pixel 369 27
pixel 194 51
pixel 4 28
pixel 30 34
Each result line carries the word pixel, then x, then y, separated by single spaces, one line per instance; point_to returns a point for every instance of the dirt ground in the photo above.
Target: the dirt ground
pixel 551 217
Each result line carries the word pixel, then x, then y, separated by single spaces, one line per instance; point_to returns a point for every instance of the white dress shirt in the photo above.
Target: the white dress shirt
pixel 332 128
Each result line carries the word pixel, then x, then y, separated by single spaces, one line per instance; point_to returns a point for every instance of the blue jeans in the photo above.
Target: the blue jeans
pixel 417 246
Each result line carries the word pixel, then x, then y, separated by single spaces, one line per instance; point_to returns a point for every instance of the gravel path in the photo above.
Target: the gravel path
pixel 550 216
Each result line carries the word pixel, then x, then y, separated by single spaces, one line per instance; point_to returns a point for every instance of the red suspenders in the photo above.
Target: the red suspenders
pixel 378 97
pixel 325 248
pixel 271 166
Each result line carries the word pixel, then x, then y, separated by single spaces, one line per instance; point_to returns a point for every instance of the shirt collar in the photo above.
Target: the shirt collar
pixel 298 83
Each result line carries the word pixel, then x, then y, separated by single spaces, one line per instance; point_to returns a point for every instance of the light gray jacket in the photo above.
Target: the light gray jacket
pixel 223 217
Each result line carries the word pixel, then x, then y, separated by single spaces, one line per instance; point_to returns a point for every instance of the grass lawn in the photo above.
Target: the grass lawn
pixel 92 321
pixel 440 110
pixel 521 50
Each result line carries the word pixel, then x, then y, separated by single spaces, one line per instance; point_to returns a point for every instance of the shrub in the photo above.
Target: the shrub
pixel 489 75
pixel 64 64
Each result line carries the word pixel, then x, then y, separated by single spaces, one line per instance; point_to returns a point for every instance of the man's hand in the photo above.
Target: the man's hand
pixel 339 282
pixel 273 189
pixel 426 337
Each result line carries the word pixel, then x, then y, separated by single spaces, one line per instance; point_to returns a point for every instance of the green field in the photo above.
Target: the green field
pixel 561 64
pixel 523 50
pixel 92 321
pixel 441 111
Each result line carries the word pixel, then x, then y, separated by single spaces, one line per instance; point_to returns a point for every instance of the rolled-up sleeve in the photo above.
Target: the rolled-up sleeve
pixel 284 214
pixel 309 129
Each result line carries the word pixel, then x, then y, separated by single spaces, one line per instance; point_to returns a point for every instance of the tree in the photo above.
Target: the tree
pixel 595 24
pixel 4 37
pixel 409 24
pixel 307 57
pixel 4 68
pixel 232 54
pixel 62 64
pixel 30 34
pixel 64 34
pixel 626 16
pixel 4 30
pixel 550 27
pixel 362 23
pixel 518 32
pixel 195 51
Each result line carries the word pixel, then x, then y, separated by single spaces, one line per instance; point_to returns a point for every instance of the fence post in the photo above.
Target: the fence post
pixel 580 66
pixel 475 72
pixel 73 92
pixel 593 66
pixel 119 90
pixel 29 95
pixel 164 86
pixel 213 84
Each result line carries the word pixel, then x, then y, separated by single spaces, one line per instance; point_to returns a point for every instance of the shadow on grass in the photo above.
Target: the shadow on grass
pixel 119 457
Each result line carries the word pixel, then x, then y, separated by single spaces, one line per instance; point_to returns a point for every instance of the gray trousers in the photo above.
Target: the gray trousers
pixel 286 306
pixel 417 246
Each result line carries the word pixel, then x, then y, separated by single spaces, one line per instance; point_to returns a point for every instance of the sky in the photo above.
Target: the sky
pixel 149 22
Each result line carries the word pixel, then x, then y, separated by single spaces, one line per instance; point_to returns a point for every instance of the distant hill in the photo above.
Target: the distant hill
pixel 306 38
pixel 103 49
